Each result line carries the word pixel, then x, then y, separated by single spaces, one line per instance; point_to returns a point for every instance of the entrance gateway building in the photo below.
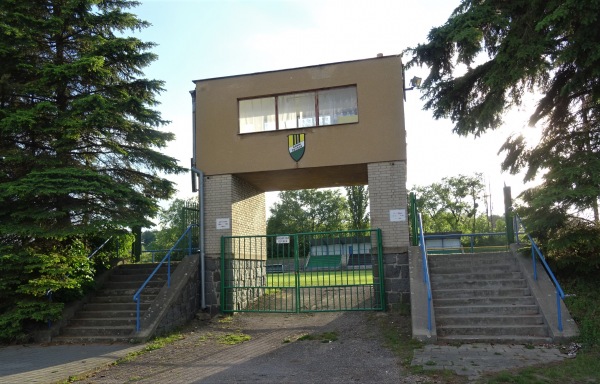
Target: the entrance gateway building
pixel 330 125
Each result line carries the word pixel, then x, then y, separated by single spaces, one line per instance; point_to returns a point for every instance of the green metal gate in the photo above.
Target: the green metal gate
pixel 305 272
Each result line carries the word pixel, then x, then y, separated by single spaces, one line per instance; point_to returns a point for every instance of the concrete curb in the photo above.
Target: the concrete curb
pixel 418 300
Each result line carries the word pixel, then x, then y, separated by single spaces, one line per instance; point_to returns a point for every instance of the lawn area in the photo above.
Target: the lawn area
pixel 320 278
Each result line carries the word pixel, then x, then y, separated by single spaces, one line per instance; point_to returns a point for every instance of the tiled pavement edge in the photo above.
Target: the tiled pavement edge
pixel 472 360
pixel 55 363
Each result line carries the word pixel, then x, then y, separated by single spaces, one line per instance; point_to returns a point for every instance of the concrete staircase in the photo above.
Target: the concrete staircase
pixel 110 315
pixel 484 298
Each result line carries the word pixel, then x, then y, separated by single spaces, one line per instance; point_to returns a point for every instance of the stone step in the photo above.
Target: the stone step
pixel 141 277
pixel 107 314
pixel 478 284
pixel 438 277
pixel 435 260
pixel 114 331
pixel 83 340
pixel 102 322
pixel 129 269
pixel 493 330
pixel 495 309
pixel 135 285
pixel 110 316
pixel 481 292
pixel 494 339
pixel 126 297
pixel 147 291
pixel 471 269
pixel 476 320
pixel 115 306
pixel 483 298
pixel 483 301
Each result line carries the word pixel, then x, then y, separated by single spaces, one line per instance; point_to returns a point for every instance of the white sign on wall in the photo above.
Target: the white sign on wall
pixel 223 223
pixel 397 214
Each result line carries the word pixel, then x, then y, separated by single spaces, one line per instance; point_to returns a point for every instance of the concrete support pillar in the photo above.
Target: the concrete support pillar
pixel 388 204
pixel 232 208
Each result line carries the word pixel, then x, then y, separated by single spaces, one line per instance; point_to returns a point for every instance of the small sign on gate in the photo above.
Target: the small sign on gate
pixel 282 240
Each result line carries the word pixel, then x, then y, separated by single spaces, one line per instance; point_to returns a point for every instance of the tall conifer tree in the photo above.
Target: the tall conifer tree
pixel 80 142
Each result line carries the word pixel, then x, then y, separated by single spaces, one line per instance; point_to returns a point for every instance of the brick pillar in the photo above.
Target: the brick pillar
pixel 227 197
pixel 388 203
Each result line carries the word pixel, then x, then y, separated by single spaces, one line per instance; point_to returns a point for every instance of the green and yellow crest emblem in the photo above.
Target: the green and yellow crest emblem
pixel 296 145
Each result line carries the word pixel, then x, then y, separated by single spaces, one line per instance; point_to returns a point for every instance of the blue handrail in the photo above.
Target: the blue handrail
pixel 425 266
pixel 167 258
pixel 535 250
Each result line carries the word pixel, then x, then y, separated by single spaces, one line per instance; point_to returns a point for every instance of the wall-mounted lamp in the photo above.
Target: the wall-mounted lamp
pixel 415 82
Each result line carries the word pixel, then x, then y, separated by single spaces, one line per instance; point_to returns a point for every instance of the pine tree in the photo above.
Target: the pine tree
pixel 79 139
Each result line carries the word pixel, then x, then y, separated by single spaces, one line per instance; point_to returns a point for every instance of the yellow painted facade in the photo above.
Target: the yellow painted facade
pixel 335 155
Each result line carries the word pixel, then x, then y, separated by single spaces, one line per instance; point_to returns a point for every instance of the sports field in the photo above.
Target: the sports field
pixel 320 278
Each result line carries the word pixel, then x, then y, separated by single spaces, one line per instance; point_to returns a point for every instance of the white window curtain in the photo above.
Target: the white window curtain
pixel 257 115
pixel 338 106
pixel 297 110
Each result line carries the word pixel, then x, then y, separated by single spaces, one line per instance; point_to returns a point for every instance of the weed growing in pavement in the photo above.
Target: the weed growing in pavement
pixel 156 343
pixel 203 338
pixel 233 338
pixel 226 320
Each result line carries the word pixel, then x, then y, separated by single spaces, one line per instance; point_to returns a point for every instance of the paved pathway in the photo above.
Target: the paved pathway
pixel 267 352
pixel 474 359
pixel 50 364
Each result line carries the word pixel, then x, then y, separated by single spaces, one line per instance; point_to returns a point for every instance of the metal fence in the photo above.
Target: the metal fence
pixel 306 272
pixel 466 243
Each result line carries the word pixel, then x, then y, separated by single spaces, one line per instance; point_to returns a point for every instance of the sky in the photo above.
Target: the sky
pixel 201 39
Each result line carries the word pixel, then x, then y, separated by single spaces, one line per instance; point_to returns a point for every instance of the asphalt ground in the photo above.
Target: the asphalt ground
pixel 281 349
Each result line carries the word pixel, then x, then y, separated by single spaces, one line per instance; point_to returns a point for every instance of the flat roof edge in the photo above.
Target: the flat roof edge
pixel 296 68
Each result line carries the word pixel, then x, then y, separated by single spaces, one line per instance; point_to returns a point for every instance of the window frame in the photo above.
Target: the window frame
pixel 316 109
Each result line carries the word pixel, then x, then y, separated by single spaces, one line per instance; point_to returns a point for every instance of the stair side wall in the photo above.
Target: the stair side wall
pixel 175 305
pixel 418 300
pixel 544 292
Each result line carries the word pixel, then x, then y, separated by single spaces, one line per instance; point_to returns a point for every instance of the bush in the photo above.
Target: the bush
pixel 28 273
pixel 584 305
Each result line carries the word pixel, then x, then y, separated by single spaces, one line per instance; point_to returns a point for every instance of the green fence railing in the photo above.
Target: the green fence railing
pixel 305 272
